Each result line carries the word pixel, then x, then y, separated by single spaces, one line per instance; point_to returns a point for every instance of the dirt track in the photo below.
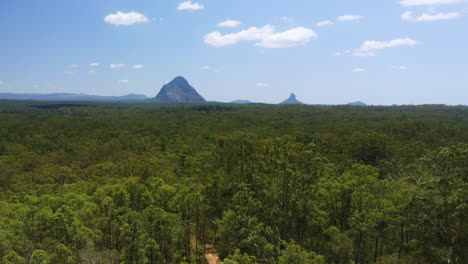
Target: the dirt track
pixel 210 257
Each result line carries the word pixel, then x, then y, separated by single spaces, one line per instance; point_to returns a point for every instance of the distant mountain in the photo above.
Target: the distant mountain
pixel 242 102
pixel 179 91
pixel 71 97
pixel 134 97
pixel 358 103
pixel 291 100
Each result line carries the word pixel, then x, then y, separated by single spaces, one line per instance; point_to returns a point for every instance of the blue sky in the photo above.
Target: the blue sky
pixel 326 52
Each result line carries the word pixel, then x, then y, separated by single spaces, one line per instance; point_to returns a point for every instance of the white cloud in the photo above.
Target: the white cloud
pixel 123 81
pixel 358 70
pixel 287 19
pixel 376 45
pixel 73 66
pixel 349 18
pixel 91 71
pixel 430 2
pixel 263 85
pixel 325 23
pixel 359 53
pixel 229 23
pixel 188 5
pixel 289 38
pixel 266 37
pixel 138 66
pixel 126 19
pixel 370 47
pixel 340 53
pixel 400 67
pixel 117 66
pixel 408 16
pixel 216 39
pixel 209 68
pixel 94 64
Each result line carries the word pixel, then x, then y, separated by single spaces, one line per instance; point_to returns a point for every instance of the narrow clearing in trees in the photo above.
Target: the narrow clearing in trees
pixel 211 257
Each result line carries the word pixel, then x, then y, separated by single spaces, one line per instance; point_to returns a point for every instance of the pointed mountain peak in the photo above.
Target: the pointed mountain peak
pixel 291 100
pixel 179 91
pixel 179 79
pixel 358 103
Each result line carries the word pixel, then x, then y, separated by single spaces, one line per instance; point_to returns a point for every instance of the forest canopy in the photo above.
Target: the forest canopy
pixel 260 184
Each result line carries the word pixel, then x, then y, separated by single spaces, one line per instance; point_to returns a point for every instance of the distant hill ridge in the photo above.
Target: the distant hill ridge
pixel 242 102
pixel 358 103
pixel 179 91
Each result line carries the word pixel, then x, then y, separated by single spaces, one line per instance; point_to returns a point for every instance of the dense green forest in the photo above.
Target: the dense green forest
pixel 105 184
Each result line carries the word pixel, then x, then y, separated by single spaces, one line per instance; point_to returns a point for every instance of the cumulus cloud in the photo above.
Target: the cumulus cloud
pixel 189 5
pixel 206 68
pixel 265 37
pixel 263 85
pixel 117 66
pixel 138 66
pixel 126 19
pixel 216 39
pixel 370 47
pixel 400 67
pixel 94 64
pixel 229 23
pixel 73 66
pixel 358 70
pixel 123 81
pixel 430 2
pixel 325 23
pixel 349 18
pixel 289 38
pixel 408 16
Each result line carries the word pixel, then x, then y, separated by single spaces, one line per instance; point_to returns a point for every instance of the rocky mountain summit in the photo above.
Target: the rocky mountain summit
pixel 179 91
pixel 291 100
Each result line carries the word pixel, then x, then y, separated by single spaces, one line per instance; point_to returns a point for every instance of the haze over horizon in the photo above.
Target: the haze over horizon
pixel 333 52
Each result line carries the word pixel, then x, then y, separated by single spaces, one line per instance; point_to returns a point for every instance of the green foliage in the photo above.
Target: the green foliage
pixel 238 258
pixel 61 255
pixel 13 258
pixel 117 184
pixel 38 257
pixel 295 254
